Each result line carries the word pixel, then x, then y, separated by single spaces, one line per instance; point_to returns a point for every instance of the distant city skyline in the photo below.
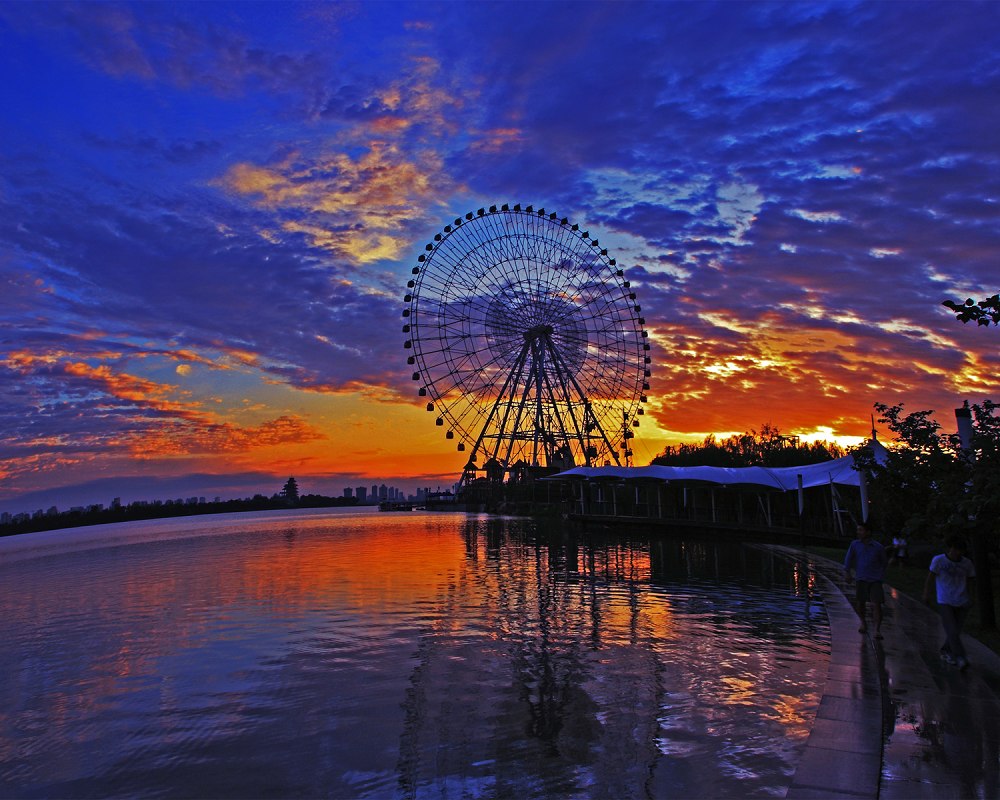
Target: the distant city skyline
pixel 96 493
pixel 209 214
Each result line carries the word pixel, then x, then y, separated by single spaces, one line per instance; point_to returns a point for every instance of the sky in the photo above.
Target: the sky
pixel 209 212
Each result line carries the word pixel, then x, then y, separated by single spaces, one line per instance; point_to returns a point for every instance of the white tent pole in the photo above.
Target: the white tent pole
pixel 863 486
pixel 835 508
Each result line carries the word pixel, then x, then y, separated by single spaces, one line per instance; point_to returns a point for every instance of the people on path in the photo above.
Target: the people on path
pixel 954 574
pixel 868 559
pixel 899 550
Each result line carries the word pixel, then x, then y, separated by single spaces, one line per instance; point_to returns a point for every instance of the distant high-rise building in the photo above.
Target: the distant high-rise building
pixel 374 492
pixel 383 492
pixel 362 494
pixel 348 492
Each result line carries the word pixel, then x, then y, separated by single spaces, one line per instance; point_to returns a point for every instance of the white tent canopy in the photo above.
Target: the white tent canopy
pixel 839 471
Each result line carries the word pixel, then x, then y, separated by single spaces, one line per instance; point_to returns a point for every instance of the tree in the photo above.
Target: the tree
pixel 914 490
pixel 767 447
pixel 981 500
pixel 931 487
pixel 983 312
pixel 290 491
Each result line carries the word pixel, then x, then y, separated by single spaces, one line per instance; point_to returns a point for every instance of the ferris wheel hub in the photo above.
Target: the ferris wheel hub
pixel 537 332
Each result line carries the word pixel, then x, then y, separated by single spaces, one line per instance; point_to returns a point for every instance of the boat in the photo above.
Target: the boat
pixel 395 505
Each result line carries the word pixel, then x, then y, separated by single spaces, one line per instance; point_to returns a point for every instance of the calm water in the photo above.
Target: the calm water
pixel 347 653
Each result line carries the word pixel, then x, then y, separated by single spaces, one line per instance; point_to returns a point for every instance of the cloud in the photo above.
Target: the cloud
pixel 355 208
pixel 86 403
pixel 363 193
pixel 188 52
pixel 213 292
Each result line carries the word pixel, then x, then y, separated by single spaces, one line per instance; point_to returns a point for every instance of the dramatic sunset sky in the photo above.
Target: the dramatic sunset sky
pixel 208 213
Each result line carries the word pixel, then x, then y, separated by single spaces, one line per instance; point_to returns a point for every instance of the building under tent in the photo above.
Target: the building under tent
pixel 826 498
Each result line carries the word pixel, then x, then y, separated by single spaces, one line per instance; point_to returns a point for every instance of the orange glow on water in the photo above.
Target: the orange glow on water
pixel 598 645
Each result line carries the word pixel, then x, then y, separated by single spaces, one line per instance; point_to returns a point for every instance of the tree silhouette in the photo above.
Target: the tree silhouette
pixel 983 312
pixel 931 486
pixel 290 491
pixel 766 447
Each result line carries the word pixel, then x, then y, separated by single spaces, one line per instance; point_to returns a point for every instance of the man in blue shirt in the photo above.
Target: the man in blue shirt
pixel 868 559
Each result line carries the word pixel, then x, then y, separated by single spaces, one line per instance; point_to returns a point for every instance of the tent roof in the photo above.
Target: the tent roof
pixel 839 470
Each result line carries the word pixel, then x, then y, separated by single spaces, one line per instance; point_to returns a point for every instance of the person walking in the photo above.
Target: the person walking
pixel 868 560
pixel 899 550
pixel 954 575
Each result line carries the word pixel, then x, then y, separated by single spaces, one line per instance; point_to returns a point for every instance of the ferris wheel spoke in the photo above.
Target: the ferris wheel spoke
pixel 477 371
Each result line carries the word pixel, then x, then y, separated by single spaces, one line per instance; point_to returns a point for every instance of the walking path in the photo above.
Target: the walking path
pixel 896 722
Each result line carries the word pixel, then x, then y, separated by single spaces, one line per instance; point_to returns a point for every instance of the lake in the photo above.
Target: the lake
pixel 346 653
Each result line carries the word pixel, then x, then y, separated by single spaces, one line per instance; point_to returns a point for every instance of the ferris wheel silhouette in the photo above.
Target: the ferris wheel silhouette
pixel 527 341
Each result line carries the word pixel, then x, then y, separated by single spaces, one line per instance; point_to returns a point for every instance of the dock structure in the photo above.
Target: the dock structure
pixel 828 499
pixel 396 505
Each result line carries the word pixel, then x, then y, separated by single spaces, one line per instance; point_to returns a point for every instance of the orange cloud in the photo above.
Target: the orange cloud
pixel 725 383
pixel 214 438
pixel 389 125
pixel 357 205
pixel 25 361
pixel 124 386
pixel 353 206
pixel 497 139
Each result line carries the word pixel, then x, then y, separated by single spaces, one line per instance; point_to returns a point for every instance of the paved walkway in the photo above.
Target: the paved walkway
pixel 895 722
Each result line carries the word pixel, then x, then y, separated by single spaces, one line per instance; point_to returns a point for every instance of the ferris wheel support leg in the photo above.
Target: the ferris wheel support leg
pixel 513 437
pixel 562 371
pixel 538 370
pixel 516 371
pixel 604 436
pixel 560 435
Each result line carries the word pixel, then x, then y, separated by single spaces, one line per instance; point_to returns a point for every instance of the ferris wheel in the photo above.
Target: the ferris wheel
pixel 527 341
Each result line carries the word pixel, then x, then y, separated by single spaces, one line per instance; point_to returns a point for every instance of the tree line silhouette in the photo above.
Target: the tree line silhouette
pixel 767 447
pixel 288 497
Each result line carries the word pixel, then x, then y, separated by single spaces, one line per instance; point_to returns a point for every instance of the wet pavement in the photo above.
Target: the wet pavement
pixel 895 721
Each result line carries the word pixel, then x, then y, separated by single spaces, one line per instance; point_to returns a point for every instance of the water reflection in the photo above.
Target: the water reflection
pixel 411 655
